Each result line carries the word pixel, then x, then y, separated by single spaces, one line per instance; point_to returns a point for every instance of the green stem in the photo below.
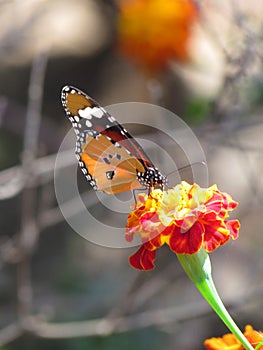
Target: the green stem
pixel 259 345
pixel 198 269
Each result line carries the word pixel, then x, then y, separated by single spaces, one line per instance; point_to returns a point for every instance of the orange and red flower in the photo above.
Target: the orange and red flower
pixel 229 341
pixel 186 218
pixel 153 32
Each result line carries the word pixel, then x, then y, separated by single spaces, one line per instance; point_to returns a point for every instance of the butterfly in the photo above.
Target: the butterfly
pixel 109 157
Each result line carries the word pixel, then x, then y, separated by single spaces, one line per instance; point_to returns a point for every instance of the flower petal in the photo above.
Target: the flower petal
pixel 227 342
pixel 188 242
pixel 254 337
pixel 216 234
pixel 143 259
pixel 233 226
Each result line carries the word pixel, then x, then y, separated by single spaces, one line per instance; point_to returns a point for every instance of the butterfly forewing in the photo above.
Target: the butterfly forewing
pixel 109 156
pixel 119 134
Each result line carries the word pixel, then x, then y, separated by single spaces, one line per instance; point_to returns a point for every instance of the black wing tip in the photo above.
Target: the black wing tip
pixel 69 89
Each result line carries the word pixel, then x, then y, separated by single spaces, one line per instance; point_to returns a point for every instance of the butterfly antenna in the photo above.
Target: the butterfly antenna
pixel 189 166
pixel 203 164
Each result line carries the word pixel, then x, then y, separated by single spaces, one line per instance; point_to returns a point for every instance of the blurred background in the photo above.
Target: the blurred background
pixel 200 59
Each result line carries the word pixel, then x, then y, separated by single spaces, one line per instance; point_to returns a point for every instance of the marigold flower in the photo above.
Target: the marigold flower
pixel 229 341
pixel 153 32
pixel 186 218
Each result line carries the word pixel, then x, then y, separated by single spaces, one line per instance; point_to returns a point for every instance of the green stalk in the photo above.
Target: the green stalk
pixel 198 268
pixel 259 345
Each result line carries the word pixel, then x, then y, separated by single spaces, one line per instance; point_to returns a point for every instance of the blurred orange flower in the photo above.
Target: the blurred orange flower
pixel 229 342
pixel 186 218
pixel 153 32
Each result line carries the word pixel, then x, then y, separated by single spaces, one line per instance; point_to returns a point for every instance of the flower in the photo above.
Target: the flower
pixel 229 341
pixel 186 218
pixel 192 221
pixel 153 32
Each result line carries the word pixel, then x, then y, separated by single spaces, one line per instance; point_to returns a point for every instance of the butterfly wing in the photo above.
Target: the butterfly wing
pixel 108 155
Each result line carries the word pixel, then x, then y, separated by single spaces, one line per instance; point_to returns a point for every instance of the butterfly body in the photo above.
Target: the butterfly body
pixel 109 157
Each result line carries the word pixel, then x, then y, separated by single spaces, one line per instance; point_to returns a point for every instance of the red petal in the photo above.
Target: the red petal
pixel 149 220
pixel 188 242
pixel 230 204
pixel 233 226
pixel 143 259
pixel 215 203
pixel 210 217
pixel 213 238
pixel 221 203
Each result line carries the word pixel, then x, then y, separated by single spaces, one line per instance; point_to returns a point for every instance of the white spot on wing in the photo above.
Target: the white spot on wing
pixel 97 112
pixel 86 113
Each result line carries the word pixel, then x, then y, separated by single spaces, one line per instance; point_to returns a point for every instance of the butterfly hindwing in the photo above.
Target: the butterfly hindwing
pixel 113 169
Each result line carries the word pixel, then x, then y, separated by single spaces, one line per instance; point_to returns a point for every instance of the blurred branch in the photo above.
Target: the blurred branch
pixel 3 105
pixel 240 58
pixel 107 326
pixel 33 117
pixel 12 180
pixel 29 231
pixel 10 333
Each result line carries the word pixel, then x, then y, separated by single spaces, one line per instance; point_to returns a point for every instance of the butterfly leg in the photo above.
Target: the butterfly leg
pixel 134 195
pixel 135 200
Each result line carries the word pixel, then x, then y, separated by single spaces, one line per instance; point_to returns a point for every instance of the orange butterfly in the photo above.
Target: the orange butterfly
pixel 110 158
